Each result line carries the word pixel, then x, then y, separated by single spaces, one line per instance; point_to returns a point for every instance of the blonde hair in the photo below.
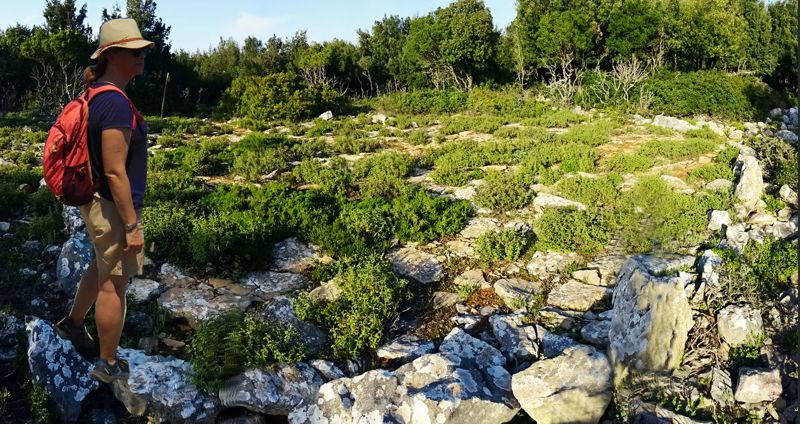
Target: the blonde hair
pixel 93 72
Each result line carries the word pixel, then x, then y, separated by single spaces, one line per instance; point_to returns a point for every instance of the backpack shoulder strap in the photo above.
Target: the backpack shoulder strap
pixel 91 93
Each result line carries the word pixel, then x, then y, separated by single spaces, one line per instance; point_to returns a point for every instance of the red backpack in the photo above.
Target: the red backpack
pixel 67 169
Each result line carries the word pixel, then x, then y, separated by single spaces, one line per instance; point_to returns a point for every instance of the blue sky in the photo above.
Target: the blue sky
pixel 199 24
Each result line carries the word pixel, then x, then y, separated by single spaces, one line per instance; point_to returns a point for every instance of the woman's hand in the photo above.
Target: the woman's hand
pixel 134 240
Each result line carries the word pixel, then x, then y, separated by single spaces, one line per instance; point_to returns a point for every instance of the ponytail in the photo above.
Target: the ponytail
pixel 93 72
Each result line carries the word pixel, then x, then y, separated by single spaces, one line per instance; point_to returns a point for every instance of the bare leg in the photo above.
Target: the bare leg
pixel 109 314
pixel 86 294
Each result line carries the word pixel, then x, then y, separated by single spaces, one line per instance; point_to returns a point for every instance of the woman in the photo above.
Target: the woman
pixel 118 155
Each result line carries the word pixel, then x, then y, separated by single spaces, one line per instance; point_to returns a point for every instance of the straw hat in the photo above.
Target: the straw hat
pixel 122 33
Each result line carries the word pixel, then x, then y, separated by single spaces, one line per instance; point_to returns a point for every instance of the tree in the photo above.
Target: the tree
pixel 381 52
pixel 60 16
pixel 783 18
pixel 15 70
pixel 634 29
pixel 708 33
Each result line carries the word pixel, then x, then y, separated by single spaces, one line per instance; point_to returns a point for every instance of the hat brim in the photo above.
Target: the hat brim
pixel 138 44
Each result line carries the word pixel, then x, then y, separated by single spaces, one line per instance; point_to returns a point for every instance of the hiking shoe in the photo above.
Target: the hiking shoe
pixel 79 336
pixel 107 373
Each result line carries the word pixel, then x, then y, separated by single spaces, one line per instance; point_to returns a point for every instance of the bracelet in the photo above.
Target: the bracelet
pixel 131 227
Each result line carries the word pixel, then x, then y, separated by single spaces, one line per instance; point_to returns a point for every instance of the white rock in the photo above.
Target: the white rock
pixel 270 284
pixel 575 387
pixel 405 349
pixel 787 136
pixel 758 385
pixel 761 219
pixel 143 289
pixel 739 324
pixel 782 230
pixel 472 277
pixel 413 263
pixel 4 226
pixel 291 255
pixel 327 115
pixel 736 237
pixel 519 342
pixel 751 184
pixel 596 333
pixel 378 117
pixel 477 226
pixel 788 195
pixel 516 292
pixel 720 184
pixel 576 296
pixel 672 123
pixel 546 200
pixel 718 219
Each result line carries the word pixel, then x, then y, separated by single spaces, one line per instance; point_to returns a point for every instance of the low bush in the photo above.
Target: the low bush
pixel 423 101
pixel 778 159
pixel 418 137
pixel 361 228
pixel 370 297
pixel 504 191
pixel 173 184
pixel 593 134
pixel 559 118
pixel 571 157
pixel 711 93
pixel 507 244
pixel 278 96
pixel 570 230
pixel 231 342
pixel 383 174
pixel 677 149
pixel 592 192
pixel 422 218
pixel 335 178
pixel 253 165
pixel 628 163
pixel 167 226
pixel 353 146
pixel 456 165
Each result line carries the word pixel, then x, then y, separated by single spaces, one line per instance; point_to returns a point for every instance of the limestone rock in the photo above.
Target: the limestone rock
pixel 472 277
pixel 721 386
pixel 58 368
pixel 280 310
pixel 761 219
pixel 651 322
pixel 465 382
pixel 751 184
pixel 736 237
pixel 519 342
pixel 576 296
pixel 291 255
pixel 413 263
pixel 543 263
pixel 143 289
pixel 575 387
pixel 326 291
pixel 588 276
pixel 73 221
pixel 443 299
pixel 720 184
pixel 159 387
pixel 326 116
pixel 758 385
pixel 405 349
pixel 172 276
pixel 477 226
pixel 516 292
pixel 718 219
pixel 10 327
pixel 788 195
pixel 596 333
pixel 76 256
pixel 782 230
pixel 546 200
pixel 787 136
pixel 199 305
pixel 327 369
pixel 270 284
pixel 274 391
pixel 672 123
pixel 738 324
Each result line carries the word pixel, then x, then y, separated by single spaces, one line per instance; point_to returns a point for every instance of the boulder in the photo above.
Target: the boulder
pixel 292 255
pixel 76 256
pixel 516 293
pixel 546 200
pixel 736 237
pixel 576 296
pixel 652 319
pixel 758 385
pixel 472 277
pixel 172 276
pixel 270 284
pixel 405 349
pixel 788 195
pixel 443 299
pixel 718 219
pixel 596 333
pixel 787 136
pixel 708 268
pixel 553 344
pixel 672 123
pixel 143 289
pixel 782 230
pixel 738 324
pixel 73 221
pixel 195 305
pixel 160 387
pixel 750 186
pixel 274 391
pixel 477 226
pixel 58 368
pixel 518 342
pixel 326 116
pixel 10 329
pixel 721 388
pixel 465 382
pixel 413 263
pixel 720 184
pixel 326 291
pixel 280 310
pixel 543 264
pixel 588 276
pixel 575 387
pixel 327 369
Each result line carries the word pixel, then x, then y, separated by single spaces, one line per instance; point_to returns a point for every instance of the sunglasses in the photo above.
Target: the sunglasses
pixel 138 52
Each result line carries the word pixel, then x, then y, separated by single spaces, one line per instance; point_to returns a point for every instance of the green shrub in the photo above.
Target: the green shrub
pixel 508 132
pixel 507 244
pixel 167 226
pixel 174 184
pixel 418 137
pixel 253 165
pixel 240 236
pixel 370 297
pixel 422 218
pixel 559 118
pixel 628 163
pixel 423 101
pixel 711 172
pixel 47 228
pixel 774 204
pixel 778 160
pixel 383 174
pixel 335 178
pixel 231 342
pixel 352 145
pixel 570 230
pixel 593 134
pixel 455 166
pixel 277 96
pixel 677 149
pixel 170 141
pixel 571 157
pixel 504 191
pixel 592 192
pixel 306 149
pixel 748 353
pixel 711 93
pixel 361 228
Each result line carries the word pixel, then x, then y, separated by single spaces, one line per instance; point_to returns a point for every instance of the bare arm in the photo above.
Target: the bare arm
pixel 115 153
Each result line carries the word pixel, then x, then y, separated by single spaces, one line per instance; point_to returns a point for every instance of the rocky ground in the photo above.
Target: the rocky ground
pixel 551 337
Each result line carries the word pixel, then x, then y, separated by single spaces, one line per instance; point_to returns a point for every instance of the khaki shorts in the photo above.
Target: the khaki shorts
pixel 107 233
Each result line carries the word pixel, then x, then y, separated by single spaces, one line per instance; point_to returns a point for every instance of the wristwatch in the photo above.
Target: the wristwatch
pixel 131 227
